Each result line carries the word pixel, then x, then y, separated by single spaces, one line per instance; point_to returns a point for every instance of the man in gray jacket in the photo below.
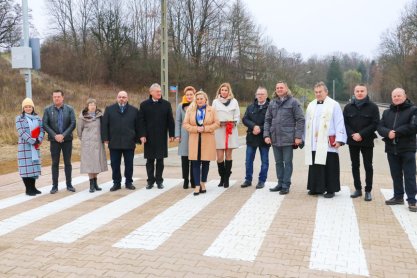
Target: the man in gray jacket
pixel 59 122
pixel 283 128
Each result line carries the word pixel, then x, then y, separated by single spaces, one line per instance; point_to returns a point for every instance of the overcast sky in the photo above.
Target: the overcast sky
pixel 309 27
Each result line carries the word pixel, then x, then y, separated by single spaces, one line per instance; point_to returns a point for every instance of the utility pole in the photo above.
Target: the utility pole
pixel 334 90
pixel 27 73
pixel 164 49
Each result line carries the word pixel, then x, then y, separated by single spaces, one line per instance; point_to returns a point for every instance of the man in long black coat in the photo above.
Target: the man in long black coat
pixel 120 130
pixel 156 122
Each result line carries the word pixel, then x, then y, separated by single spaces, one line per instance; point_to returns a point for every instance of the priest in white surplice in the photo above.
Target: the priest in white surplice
pixel 324 133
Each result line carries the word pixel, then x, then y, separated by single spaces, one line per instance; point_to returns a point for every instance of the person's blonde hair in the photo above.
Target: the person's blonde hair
pixel 194 103
pixel 227 85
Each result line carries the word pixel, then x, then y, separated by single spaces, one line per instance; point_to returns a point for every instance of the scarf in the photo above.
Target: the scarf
pixel 224 101
pixel 200 115
pixel 34 133
pixel 360 102
pixel 322 132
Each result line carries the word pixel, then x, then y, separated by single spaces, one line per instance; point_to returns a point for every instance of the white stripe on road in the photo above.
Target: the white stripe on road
pixel 243 237
pixel 86 224
pixel 10 224
pixel 407 219
pixel 336 243
pixel 21 198
pixel 154 233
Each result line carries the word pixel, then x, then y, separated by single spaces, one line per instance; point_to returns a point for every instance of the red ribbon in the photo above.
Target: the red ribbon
pixel 35 134
pixel 229 129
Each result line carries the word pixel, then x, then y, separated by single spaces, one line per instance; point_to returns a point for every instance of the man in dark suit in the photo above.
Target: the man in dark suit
pixel 156 121
pixel 59 122
pixel 119 130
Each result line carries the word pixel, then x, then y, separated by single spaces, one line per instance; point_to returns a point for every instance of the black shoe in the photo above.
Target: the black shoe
pixel 276 188
pixel 30 193
pixel 96 187
pixel 313 193
pixel 115 187
pixel 54 189
pixel 246 184
pixel 368 196
pixel 37 191
pixel 70 188
pixel 260 185
pixel 149 186
pixel 412 207
pixel 160 185
pixel 130 186
pixel 328 195
pixel 357 193
pixel 395 201
pixel 196 193
pixel 92 186
pixel 185 185
pixel 284 191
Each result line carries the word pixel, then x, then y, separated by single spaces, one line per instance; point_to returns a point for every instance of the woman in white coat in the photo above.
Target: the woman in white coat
pixel 228 113
pixel 93 156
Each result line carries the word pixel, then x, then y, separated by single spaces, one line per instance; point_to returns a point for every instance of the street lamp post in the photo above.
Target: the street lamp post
pixel 164 49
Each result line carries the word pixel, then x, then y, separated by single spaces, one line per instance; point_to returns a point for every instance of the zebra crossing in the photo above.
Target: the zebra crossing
pixel 336 243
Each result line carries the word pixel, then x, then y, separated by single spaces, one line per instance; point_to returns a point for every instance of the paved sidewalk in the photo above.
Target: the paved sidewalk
pixel 224 233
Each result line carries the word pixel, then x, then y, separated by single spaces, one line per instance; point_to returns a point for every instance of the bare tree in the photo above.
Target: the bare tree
pixel 10 23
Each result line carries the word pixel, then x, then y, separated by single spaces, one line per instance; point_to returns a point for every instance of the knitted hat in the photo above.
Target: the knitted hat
pixel 28 101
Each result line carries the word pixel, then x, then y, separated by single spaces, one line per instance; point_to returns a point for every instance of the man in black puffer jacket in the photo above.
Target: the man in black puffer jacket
pixel 254 119
pixel 361 120
pixel 398 127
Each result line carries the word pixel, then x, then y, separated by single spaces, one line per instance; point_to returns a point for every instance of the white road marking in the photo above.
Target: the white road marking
pixel 89 222
pixel 25 218
pixel 336 243
pixel 407 219
pixel 21 198
pixel 244 235
pixel 155 232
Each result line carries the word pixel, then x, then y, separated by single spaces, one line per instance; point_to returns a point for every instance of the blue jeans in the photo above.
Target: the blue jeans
pixel 250 157
pixel 200 170
pixel 403 171
pixel 116 160
pixel 283 165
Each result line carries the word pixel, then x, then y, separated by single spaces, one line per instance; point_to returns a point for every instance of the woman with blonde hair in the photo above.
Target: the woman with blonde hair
pixel 93 156
pixel 201 121
pixel 181 135
pixel 228 112
pixel 30 130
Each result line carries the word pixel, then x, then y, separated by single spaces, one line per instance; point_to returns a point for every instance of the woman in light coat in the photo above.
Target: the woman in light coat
pixel 201 121
pixel 93 156
pixel 30 129
pixel 227 138
pixel 181 136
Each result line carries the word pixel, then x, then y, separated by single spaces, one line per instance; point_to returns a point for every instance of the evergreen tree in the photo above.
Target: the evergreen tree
pixel 335 73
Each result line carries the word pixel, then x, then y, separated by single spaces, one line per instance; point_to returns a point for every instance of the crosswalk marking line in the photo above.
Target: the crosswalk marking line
pixel 407 219
pixel 155 232
pixel 25 218
pixel 243 237
pixel 336 243
pixel 89 222
pixel 21 198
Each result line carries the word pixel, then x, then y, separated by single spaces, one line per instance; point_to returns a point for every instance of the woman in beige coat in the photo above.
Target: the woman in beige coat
pixel 201 121
pixel 93 156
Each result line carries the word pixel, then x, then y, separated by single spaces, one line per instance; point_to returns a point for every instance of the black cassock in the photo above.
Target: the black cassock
pixel 322 178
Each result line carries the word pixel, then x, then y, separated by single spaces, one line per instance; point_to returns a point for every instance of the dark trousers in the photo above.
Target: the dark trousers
pixel 187 169
pixel 200 171
pixel 403 170
pixel 155 175
pixel 116 160
pixel 367 156
pixel 55 149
